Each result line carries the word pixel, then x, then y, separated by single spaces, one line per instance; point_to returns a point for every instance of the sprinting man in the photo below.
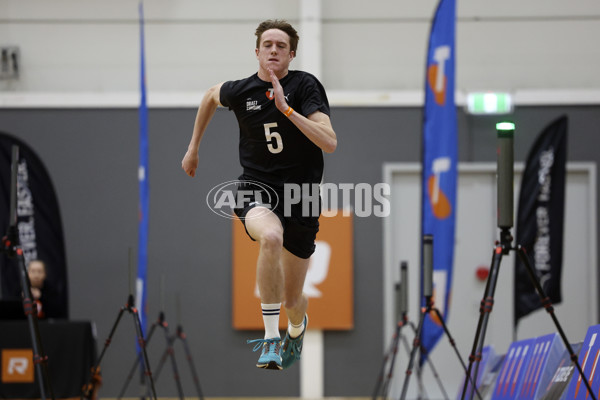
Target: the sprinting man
pixel 283 116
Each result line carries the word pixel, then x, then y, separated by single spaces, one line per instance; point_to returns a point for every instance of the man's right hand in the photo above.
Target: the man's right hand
pixel 36 293
pixel 190 163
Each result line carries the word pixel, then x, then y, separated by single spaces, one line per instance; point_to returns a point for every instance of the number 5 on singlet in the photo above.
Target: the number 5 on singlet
pixel 273 138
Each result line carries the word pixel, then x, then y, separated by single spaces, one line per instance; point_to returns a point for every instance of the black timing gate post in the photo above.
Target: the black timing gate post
pixel 505 181
pixel 12 248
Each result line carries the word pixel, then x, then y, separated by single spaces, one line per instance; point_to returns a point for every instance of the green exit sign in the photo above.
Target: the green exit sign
pixel 489 103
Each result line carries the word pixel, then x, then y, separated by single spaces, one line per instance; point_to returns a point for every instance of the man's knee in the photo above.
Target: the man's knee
pixel 271 239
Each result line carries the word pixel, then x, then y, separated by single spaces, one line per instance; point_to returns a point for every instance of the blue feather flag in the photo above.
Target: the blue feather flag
pixel 439 176
pixel 143 188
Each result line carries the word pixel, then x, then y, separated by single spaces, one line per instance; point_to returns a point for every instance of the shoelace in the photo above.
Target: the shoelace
pixel 260 342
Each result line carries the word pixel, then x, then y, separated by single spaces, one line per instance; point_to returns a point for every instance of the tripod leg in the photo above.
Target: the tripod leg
pixel 416 345
pixel 408 350
pixel 550 309
pixel 161 363
pixel 96 368
pixel 487 304
pixel 428 361
pixel 138 328
pixel 435 375
pixel 39 357
pixel 135 365
pixel 158 369
pixel 453 344
pixel 394 351
pixel 171 353
pixel 422 391
pixel 188 355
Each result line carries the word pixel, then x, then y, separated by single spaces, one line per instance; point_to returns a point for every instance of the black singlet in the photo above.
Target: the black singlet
pixel 272 149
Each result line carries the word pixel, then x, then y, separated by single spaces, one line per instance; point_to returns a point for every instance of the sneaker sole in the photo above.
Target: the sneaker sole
pixel 270 365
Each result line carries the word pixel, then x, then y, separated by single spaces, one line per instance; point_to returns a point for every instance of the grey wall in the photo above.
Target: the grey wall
pixel 92 157
pixel 75 46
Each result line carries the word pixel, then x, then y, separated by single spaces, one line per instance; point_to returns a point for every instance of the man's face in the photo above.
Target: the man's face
pixel 37 274
pixel 274 51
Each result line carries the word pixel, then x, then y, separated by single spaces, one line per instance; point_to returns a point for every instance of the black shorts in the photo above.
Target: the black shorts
pixel 299 232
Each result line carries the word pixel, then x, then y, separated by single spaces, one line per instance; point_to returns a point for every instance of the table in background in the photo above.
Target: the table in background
pixel 71 350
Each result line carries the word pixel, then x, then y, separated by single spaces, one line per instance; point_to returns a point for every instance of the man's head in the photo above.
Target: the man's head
pixel 276 43
pixel 282 26
pixel 37 273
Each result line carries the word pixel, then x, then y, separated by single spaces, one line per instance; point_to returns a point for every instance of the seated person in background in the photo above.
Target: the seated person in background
pixel 42 295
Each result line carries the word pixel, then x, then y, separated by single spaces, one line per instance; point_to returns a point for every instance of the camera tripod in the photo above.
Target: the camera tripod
pixel 504 247
pixel 130 308
pixel 505 182
pixel 429 308
pixel 384 379
pixel 160 322
pixel 11 247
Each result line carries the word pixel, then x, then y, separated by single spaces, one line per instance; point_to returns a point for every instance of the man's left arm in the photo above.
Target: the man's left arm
pixel 316 127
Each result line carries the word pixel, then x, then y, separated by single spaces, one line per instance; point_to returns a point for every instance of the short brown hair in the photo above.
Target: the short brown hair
pixel 281 25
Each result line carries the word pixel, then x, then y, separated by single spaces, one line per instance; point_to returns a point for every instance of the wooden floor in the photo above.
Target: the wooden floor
pixel 246 398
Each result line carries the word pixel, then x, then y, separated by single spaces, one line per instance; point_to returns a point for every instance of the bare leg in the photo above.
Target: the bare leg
pixel 295 301
pixel 266 229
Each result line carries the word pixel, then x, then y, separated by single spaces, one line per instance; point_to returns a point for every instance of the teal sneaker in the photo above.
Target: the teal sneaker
pixel 270 357
pixel 292 348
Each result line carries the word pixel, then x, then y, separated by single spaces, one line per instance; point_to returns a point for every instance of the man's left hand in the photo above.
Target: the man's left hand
pixel 280 101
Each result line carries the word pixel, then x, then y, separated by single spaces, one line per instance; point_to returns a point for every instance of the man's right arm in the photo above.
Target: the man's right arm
pixel 208 106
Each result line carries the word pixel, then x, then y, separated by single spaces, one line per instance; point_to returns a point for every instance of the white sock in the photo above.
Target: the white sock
pixel 295 330
pixel 270 313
